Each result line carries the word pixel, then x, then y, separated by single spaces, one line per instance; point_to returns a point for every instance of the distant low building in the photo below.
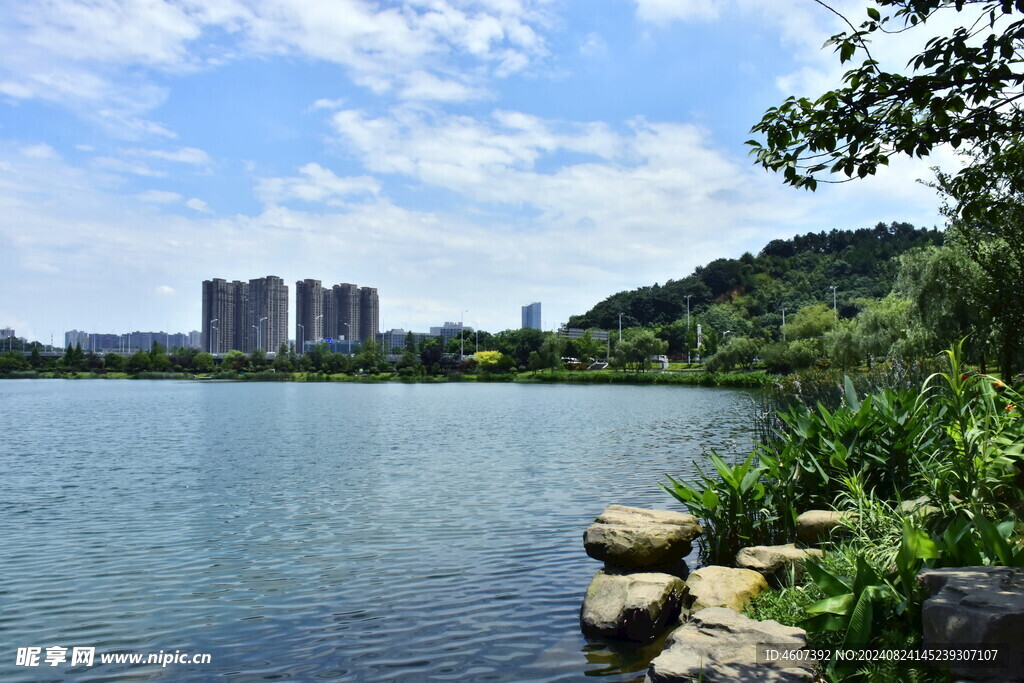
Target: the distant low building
pixel 577 333
pixel 450 331
pixel 6 332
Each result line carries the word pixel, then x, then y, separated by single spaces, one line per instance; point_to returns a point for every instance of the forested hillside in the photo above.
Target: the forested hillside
pixel 748 294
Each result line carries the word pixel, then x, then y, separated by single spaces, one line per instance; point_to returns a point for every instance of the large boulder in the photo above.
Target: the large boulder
pixel 634 606
pixel 976 607
pixel 716 586
pixel 719 644
pixel 815 526
pixel 636 538
pixel 774 562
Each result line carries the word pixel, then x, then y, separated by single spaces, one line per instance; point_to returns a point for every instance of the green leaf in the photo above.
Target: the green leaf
pixel 839 604
pixel 710 499
pixel 874 14
pixel 858 632
pixel 829 583
pixel 851 393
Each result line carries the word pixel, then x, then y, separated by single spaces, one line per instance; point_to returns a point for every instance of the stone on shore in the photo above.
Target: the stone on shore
pixel 719 644
pixel 634 606
pixel 774 562
pixel 976 607
pixel 815 526
pixel 637 538
pixel 716 586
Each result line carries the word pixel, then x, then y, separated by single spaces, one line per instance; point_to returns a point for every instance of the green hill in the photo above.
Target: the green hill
pixel 752 290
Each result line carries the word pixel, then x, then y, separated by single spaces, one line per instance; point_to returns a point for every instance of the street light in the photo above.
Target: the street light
pixel 318 333
pixel 462 335
pixel 834 309
pixel 783 323
pixel 259 339
pixel 212 328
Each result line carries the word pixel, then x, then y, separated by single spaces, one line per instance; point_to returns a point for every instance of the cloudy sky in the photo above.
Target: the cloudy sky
pixel 465 157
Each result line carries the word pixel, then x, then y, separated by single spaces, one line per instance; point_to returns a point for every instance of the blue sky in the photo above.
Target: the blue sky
pixel 465 157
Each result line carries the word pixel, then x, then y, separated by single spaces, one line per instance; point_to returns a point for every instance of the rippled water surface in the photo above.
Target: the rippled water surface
pixel 328 531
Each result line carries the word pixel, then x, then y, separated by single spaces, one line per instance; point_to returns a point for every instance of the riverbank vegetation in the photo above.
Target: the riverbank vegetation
pixel 923 476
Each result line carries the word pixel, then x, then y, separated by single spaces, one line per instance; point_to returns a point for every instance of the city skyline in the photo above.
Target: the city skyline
pixel 464 156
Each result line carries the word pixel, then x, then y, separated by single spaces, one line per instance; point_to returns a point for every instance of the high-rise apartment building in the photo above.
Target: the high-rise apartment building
pixel 310 313
pixel 531 316
pixel 244 316
pixel 268 312
pixel 345 319
pixel 218 315
pixel 369 314
pixel 6 332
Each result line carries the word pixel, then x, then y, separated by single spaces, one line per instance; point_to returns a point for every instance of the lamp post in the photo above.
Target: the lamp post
pixel 476 335
pixel 317 332
pixel 462 335
pixel 212 328
pixel 835 310
pixel 348 338
pixel 783 323
pixel 259 339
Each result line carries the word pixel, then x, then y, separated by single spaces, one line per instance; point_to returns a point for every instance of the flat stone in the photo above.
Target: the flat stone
pixel 635 606
pixel 774 562
pixel 815 526
pixel 921 506
pixel 637 538
pixel 716 586
pixel 976 607
pixel 719 644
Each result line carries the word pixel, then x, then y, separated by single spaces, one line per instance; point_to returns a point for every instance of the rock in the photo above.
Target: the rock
pixel 921 506
pixel 719 644
pixel 815 526
pixel 724 587
pixel 634 606
pixel 774 562
pixel 636 538
pixel 976 607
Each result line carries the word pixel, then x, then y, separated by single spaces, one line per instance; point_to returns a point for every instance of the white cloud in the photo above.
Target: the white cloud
pixel 122 166
pixel 315 184
pixel 159 197
pixel 665 11
pixel 40 151
pixel 594 45
pixel 183 155
pixel 164 290
pixel 421 85
pixel 98 59
pixel 198 205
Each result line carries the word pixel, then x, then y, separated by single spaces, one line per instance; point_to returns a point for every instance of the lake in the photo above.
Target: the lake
pixel 363 532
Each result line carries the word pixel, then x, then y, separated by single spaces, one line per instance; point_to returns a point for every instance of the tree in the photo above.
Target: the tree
pixel 203 362
pixel 810 321
pixel 115 362
pixel 636 351
pixel 139 362
pixel 943 287
pixel 234 360
pixel 964 89
pixel 282 361
pixel 491 361
pixel 431 353
pixel 588 349
pixel 885 325
pixel 258 359
pixel 737 351
pixel 370 357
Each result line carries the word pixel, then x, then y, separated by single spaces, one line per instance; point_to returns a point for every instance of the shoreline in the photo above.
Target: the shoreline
pixel 744 380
